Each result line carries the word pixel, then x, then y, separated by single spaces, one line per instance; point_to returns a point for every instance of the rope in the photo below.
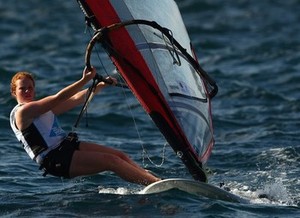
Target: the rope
pixel 145 153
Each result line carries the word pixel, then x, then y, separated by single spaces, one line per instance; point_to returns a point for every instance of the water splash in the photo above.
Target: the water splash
pixel 116 191
pixel 275 193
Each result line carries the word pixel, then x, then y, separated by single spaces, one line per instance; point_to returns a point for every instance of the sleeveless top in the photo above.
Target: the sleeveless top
pixel 43 135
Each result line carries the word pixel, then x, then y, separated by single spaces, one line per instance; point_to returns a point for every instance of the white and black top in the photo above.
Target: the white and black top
pixel 42 136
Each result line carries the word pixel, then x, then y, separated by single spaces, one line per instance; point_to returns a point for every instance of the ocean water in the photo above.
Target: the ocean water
pixel 251 48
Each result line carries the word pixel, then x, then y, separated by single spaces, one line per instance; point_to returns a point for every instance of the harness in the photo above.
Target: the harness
pixel 69 140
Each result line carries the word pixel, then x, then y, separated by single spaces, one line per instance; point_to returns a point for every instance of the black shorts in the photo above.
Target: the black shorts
pixel 57 162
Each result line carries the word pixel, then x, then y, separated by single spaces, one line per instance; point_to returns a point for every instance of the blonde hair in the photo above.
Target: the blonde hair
pixel 19 75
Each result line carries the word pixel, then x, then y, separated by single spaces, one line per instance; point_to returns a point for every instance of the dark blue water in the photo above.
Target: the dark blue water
pixel 251 48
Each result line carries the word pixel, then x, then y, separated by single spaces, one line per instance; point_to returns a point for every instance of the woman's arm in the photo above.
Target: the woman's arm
pixel 80 97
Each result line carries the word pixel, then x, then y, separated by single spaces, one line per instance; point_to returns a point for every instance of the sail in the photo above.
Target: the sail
pixel 148 42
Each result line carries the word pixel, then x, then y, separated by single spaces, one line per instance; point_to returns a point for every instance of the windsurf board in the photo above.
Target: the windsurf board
pixel 193 187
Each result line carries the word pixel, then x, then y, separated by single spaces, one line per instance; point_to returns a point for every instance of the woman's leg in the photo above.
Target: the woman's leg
pixel 86 146
pixel 92 159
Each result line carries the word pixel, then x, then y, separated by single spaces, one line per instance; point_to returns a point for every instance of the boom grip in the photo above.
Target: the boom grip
pixel 89 49
pixel 98 36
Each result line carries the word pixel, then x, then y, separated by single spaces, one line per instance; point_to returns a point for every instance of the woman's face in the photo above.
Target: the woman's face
pixel 25 91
